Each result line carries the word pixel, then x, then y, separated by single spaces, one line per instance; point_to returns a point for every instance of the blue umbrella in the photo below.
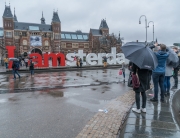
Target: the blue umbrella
pixel 140 54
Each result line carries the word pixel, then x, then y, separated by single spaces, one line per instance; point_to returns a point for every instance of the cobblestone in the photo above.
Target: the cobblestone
pixel 108 124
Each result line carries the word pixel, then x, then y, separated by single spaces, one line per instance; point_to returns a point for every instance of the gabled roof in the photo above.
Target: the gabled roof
pixel 7 12
pixel 95 32
pixel 103 24
pixel 55 17
pixel 25 26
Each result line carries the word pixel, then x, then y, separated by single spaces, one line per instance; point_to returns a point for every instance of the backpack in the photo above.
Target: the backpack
pixel 16 66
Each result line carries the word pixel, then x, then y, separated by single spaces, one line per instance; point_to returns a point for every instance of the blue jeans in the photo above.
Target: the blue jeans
pixel 32 72
pixel 167 84
pixel 124 75
pixel 6 64
pixel 158 78
pixel 16 72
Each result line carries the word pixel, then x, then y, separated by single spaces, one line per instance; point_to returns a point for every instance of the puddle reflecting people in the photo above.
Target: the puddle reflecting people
pixel 6 61
pixel 159 72
pixel 167 84
pixel 15 68
pixel 175 75
pixel 31 68
pixel 143 80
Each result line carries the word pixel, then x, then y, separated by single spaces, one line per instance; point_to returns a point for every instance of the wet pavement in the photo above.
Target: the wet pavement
pixel 158 122
pixel 60 104
pixel 59 79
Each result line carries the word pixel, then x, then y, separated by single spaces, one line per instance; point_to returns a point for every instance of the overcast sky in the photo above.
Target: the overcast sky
pixel 121 15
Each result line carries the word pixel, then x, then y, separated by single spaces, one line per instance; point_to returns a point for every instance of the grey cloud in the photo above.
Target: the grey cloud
pixel 121 15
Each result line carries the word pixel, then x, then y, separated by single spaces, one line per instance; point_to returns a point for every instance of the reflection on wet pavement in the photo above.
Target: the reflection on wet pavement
pixel 59 79
pixel 157 122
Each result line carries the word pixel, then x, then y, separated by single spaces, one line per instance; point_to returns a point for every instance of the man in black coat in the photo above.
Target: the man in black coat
pixel 175 76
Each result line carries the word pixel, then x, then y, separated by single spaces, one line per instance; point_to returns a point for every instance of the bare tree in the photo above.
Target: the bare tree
pixel 104 43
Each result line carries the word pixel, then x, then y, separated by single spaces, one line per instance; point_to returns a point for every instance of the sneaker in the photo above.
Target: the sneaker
pixel 153 100
pixel 143 110
pixel 136 110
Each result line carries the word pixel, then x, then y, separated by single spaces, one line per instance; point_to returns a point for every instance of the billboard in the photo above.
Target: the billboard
pixel 35 40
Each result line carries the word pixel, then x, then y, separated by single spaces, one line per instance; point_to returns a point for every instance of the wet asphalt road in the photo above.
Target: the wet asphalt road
pixel 55 112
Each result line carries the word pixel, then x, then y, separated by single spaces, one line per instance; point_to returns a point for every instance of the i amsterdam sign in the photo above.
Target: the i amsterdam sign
pixel 91 58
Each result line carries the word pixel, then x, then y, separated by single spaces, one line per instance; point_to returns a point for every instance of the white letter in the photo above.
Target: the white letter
pixel 120 58
pixel 81 55
pixel 100 55
pixel 112 55
pixel 90 57
pixel 70 59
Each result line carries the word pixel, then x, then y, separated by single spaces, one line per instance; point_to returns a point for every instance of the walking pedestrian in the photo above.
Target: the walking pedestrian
pixel 31 68
pixel 130 74
pixel 159 73
pixel 167 84
pixel 142 78
pixel 26 61
pixel 6 61
pixel 123 70
pixel 15 68
pixel 175 75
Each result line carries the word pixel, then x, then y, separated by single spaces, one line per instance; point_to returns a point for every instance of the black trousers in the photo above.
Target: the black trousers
pixel 175 76
pixel 143 94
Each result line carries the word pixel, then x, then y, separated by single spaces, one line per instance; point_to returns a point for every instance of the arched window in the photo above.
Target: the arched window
pixel 24 42
pixel 46 43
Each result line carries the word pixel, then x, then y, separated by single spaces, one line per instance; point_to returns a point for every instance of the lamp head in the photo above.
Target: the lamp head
pixel 139 22
pixel 148 26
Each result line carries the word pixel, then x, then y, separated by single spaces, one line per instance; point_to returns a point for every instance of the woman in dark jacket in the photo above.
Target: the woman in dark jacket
pixel 143 75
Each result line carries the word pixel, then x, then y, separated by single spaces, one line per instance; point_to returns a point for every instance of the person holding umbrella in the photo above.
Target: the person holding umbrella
pixel 158 73
pixel 15 68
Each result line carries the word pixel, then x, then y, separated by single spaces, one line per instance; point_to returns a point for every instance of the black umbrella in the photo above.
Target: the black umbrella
pixel 140 54
pixel 173 59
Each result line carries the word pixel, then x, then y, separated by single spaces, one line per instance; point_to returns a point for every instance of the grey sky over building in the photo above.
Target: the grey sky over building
pixel 121 15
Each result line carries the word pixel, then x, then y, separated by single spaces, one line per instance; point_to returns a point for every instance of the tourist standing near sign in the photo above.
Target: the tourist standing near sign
pixel 142 77
pixel 26 61
pixel 6 60
pixel 31 68
pixel 105 61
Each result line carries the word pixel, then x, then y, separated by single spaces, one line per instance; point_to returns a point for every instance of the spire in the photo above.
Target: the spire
pixel 156 40
pixel 7 12
pixel 119 39
pixel 15 18
pixel 55 17
pixel 43 19
pixel 103 25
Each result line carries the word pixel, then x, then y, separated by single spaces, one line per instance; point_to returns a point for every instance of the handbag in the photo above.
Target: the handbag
pixel 135 81
pixel 120 72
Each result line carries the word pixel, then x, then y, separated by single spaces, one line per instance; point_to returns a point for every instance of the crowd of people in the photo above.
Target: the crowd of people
pixel 160 76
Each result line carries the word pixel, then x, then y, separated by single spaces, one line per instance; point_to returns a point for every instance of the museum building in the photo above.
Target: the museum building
pixel 43 38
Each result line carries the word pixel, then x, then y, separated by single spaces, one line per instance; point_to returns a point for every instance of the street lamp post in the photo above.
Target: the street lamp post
pixel 145 24
pixel 153 29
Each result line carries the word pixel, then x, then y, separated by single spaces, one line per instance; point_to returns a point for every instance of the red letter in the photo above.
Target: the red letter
pixel 54 59
pixel 10 50
pixel 37 59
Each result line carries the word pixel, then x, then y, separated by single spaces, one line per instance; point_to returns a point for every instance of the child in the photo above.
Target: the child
pixel 31 68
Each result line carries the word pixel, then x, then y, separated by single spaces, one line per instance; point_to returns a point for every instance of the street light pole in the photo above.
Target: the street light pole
pixel 145 24
pixel 153 29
